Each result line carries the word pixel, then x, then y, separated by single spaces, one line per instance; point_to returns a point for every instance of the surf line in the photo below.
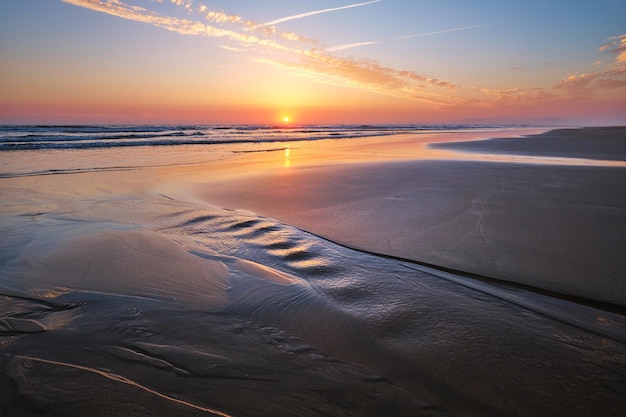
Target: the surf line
pixel 124 380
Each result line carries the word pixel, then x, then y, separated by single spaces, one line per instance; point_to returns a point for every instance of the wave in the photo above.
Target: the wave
pixel 41 137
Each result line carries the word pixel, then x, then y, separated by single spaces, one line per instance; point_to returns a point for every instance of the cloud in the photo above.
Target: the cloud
pixel 418 35
pixel 613 76
pixel 221 17
pixel 174 24
pixel 320 66
pixel 231 48
pixel 349 46
pixel 368 75
pixel 616 45
pixel 305 58
pixel 291 36
pixel 616 42
pixel 573 86
pixel 513 96
pixel 605 46
pixel 577 82
pixel 140 14
pixel 358 44
pixel 611 83
pixel 307 14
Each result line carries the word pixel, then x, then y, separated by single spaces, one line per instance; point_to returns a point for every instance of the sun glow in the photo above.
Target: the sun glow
pixel 286 119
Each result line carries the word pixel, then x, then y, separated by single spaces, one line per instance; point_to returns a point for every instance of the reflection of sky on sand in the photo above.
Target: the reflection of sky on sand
pixel 600 148
pixel 523 159
pixel 415 147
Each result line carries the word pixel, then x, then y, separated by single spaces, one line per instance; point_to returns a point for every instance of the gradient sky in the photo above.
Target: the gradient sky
pixel 323 61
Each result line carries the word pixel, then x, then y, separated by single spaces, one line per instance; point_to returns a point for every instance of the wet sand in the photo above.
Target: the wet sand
pixel 193 289
pixel 590 143
pixel 554 227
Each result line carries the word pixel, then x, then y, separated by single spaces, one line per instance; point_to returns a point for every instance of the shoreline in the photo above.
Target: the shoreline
pixel 394 196
pixel 193 288
pixel 608 144
pixel 448 202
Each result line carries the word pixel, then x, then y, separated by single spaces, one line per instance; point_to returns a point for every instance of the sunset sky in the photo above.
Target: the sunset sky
pixel 323 61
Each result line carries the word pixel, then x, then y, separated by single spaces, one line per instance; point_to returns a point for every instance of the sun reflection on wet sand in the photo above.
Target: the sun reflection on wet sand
pixel 287 161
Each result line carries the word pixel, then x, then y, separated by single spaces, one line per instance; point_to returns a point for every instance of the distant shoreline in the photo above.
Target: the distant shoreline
pixel 603 143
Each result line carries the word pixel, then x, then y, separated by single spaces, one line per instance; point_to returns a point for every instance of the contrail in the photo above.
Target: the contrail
pixel 307 14
pixel 417 35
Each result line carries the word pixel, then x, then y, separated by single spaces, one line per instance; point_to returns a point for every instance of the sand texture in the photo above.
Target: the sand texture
pixel 367 277
pixel 556 227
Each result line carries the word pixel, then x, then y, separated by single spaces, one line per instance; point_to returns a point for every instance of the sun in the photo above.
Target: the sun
pixel 286 119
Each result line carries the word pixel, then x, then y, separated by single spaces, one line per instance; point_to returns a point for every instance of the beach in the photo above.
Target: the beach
pixel 404 274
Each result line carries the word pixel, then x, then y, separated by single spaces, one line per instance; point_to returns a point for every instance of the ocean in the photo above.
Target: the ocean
pixel 107 136
pixel 129 146
pixel 188 270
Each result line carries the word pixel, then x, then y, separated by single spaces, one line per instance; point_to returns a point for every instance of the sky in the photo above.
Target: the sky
pixel 326 61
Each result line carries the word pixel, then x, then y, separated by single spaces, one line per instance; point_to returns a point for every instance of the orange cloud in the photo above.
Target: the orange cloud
pixel 513 96
pixel 321 67
pixel 604 79
pixel 573 86
pixel 290 36
pixel 617 43
pixel 366 75
pixel 220 17
pixel 298 57
pixel 613 76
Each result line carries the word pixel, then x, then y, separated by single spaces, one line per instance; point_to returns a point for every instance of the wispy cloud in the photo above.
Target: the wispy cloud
pixel 616 44
pixel 369 75
pixel 358 44
pixel 312 63
pixel 611 76
pixel 349 46
pixel 183 26
pixel 307 14
pixel 513 96
pixel 140 14
pixel 231 48
pixel 574 86
pixel 305 58
pixel 418 35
